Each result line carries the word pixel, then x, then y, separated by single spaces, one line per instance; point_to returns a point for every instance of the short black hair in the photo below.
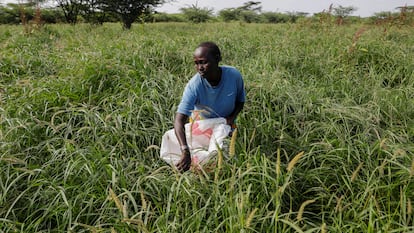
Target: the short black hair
pixel 213 49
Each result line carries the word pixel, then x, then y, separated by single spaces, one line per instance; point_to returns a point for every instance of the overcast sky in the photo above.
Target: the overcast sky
pixel 364 7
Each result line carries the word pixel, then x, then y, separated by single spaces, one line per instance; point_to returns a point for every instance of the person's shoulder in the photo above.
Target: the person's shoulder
pixel 231 70
pixel 195 81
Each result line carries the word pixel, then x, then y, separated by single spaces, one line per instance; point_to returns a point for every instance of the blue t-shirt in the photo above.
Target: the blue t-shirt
pixel 217 101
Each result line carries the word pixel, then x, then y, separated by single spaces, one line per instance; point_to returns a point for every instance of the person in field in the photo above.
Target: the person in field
pixel 214 91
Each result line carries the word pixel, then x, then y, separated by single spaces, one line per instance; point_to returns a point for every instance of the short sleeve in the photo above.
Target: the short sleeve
pixel 188 100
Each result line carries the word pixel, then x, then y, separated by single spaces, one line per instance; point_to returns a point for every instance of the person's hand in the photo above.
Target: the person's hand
pixel 185 162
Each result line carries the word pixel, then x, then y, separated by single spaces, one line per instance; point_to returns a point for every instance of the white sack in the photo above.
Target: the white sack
pixel 203 137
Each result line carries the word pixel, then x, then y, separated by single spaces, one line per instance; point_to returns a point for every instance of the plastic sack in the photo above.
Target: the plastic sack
pixel 203 138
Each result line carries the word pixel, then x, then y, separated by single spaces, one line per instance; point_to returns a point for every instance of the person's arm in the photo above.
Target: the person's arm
pixel 179 122
pixel 237 109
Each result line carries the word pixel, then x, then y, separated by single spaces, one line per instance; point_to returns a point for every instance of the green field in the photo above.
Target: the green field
pixel 325 142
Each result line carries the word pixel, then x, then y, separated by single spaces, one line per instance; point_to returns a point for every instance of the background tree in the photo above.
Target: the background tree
pixel 129 10
pixel 164 17
pixel 342 12
pixel 247 13
pixel 248 16
pixel 37 14
pixel 196 14
pixel 274 17
pixel 52 15
pixel 406 15
pixel 71 9
pixel 229 14
pixel 92 12
pixel 251 6
pixel 9 14
pixel 294 16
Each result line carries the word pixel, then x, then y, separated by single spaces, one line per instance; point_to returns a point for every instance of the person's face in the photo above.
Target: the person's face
pixel 205 63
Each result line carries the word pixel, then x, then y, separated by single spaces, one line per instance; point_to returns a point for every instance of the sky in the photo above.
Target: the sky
pixel 365 8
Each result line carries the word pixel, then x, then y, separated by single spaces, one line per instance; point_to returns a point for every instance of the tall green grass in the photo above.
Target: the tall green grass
pixel 325 142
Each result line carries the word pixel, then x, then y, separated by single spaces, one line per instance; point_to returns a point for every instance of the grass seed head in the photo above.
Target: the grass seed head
pixel 323 228
pixel 125 208
pixel 143 201
pixel 355 173
pixel 250 217
pixel 292 163
pixel 338 207
pixel 115 198
pixel 302 209
pixel 232 148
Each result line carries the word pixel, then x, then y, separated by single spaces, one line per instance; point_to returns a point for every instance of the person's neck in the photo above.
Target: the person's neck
pixel 216 78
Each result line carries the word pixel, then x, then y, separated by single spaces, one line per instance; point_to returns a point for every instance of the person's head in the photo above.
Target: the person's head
pixel 206 58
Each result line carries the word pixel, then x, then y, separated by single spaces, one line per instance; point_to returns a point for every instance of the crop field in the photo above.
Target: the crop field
pixel 325 142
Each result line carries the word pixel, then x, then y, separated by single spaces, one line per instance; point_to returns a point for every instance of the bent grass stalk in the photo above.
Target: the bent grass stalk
pixel 412 168
pixel 278 162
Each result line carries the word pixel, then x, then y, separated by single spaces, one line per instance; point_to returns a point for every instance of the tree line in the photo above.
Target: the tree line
pixel 131 11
